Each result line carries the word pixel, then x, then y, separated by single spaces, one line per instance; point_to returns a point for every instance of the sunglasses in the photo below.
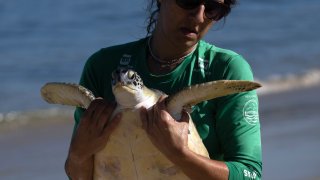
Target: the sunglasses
pixel 214 10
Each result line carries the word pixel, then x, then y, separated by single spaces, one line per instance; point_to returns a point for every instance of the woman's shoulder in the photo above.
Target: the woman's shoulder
pixel 122 48
pixel 221 54
pixel 113 54
pixel 224 62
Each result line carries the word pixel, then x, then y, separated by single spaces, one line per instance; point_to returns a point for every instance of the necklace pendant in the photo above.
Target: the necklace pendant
pixel 164 65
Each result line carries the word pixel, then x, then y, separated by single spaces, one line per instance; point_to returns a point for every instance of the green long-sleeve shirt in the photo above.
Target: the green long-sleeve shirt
pixel 229 126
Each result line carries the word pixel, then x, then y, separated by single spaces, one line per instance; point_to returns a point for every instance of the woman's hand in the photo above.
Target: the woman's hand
pixel 167 134
pixel 94 129
pixel 90 137
pixel 171 138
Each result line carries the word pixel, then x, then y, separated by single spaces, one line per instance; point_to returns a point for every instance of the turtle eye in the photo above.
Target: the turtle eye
pixel 130 74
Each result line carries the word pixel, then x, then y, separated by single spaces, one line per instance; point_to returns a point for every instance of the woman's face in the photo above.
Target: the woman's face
pixel 180 26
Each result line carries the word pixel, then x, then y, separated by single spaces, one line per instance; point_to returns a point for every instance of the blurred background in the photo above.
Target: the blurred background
pixel 45 40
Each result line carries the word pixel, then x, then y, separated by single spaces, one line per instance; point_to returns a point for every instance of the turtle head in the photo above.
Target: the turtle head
pixel 127 87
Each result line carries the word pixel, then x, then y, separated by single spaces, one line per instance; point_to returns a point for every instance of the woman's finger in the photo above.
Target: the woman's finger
pixel 162 98
pixel 184 117
pixel 105 115
pixel 88 113
pixel 111 126
pixel 144 117
pixel 150 119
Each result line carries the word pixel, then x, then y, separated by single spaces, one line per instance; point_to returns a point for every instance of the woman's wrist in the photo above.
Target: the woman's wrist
pixel 77 167
pixel 77 158
pixel 182 157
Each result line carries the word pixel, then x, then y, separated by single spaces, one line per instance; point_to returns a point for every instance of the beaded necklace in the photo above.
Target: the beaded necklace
pixel 168 63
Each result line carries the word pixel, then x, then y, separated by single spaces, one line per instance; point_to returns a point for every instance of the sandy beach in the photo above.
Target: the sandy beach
pixel 290 134
pixel 290 137
pixel 35 150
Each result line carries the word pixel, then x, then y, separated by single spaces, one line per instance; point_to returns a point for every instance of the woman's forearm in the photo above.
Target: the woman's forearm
pixel 199 167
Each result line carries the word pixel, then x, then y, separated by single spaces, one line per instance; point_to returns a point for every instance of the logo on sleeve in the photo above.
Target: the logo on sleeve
pixel 250 112
pixel 125 60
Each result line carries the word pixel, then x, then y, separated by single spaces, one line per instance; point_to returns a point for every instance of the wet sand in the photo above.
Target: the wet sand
pixel 290 136
pixel 35 150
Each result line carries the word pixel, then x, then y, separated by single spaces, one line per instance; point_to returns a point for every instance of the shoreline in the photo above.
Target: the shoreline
pixel 35 118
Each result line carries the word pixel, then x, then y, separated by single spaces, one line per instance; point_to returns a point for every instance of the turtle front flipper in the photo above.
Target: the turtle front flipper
pixel 67 94
pixel 195 94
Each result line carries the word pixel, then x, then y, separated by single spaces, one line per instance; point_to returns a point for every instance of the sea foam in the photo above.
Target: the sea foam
pixel 289 82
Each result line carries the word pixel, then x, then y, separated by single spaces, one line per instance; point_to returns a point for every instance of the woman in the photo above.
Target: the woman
pixel 174 56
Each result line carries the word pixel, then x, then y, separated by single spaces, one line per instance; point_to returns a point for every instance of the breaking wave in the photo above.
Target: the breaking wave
pixel 15 119
pixel 289 82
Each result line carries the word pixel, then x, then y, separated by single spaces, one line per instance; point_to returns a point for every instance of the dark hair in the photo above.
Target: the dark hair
pixel 154 8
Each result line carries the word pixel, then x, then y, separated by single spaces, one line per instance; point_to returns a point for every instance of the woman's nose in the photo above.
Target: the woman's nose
pixel 198 13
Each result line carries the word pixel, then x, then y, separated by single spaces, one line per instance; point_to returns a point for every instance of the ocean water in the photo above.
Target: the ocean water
pixel 44 40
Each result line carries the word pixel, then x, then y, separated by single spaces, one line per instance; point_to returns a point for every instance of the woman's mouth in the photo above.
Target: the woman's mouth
pixel 188 31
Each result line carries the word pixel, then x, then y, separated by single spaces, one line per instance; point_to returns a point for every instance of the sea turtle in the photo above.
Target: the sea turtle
pixel 129 154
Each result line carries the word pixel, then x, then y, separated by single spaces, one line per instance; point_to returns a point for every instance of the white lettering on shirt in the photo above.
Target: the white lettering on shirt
pixel 125 60
pixel 251 175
